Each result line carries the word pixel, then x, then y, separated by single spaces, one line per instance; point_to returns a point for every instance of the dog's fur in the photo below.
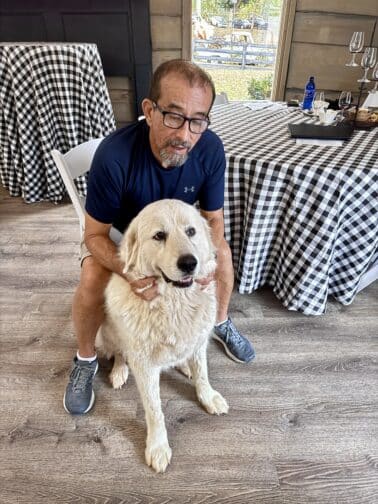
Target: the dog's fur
pixel 166 237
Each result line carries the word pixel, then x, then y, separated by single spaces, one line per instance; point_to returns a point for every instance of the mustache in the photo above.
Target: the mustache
pixel 177 143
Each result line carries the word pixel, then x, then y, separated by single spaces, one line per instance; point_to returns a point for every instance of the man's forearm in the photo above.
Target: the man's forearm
pixel 217 233
pixel 105 251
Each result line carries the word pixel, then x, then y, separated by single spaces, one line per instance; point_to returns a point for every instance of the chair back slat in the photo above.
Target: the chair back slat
pixel 71 165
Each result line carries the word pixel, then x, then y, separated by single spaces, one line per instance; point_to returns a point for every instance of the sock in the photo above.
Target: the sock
pixel 220 323
pixel 86 359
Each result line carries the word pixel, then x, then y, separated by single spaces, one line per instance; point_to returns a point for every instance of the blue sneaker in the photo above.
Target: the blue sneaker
pixel 79 396
pixel 237 347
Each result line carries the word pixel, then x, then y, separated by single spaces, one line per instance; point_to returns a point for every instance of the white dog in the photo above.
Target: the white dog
pixel 171 240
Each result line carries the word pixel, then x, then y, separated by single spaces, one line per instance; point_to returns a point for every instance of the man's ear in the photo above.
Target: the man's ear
pixel 147 108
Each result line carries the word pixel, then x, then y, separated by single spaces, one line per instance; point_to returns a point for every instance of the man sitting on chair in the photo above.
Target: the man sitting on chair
pixel 170 154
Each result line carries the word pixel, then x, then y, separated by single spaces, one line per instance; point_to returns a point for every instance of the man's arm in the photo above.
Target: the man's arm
pixel 224 274
pixel 103 249
pixel 216 223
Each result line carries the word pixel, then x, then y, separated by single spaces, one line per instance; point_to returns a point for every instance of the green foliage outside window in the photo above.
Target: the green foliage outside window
pixel 243 8
pixel 260 88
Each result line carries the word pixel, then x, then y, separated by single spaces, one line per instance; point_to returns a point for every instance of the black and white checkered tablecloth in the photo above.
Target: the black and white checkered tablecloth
pixel 52 95
pixel 300 218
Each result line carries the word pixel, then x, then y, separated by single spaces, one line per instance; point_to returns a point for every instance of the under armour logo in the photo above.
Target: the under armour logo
pixel 189 189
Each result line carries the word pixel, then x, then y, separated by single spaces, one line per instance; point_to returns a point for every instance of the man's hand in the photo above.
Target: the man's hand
pixel 146 288
pixel 204 282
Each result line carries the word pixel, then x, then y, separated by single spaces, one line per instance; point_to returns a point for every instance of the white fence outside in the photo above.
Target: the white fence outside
pixel 241 54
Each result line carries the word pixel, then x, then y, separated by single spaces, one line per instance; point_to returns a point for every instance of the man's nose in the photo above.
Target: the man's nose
pixel 184 132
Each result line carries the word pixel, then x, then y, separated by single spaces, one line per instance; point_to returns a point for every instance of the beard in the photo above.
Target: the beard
pixel 169 159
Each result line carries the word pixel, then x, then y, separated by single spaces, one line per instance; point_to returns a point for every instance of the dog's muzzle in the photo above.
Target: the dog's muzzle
pixel 186 282
pixel 187 264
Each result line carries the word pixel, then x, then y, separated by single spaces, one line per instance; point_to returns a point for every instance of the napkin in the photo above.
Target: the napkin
pixel 316 141
pixel 265 104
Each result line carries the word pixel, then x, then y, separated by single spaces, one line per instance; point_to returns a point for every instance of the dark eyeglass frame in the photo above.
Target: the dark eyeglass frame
pixel 190 120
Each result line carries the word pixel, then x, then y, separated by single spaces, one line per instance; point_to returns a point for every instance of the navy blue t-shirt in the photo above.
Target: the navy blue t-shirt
pixel 125 176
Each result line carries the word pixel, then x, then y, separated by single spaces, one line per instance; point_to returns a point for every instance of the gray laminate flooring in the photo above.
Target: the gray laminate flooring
pixel 303 420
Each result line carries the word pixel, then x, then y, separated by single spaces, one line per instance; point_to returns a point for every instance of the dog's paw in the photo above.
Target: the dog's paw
pixel 185 370
pixel 158 456
pixel 214 403
pixel 118 376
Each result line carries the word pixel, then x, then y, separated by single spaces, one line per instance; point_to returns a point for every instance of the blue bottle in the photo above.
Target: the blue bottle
pixel 309 94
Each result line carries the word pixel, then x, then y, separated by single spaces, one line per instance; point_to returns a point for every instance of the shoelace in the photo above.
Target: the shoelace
pixel 80 377
pixel 231 331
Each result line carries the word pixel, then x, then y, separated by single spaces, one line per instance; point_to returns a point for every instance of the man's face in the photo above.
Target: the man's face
pixel 171 146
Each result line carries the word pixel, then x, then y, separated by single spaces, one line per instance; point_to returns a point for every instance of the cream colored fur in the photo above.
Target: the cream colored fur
pixel 171 330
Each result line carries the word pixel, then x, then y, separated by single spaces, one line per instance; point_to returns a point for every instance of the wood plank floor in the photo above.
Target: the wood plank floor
pixel 303 421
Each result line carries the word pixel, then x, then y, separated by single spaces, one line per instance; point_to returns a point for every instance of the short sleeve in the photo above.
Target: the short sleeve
pixel 105 187
pixel 211 196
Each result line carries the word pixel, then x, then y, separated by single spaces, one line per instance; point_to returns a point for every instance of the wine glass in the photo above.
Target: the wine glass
pixel 345 99
pixel 356 45
pixel 374 76
pixel 368 61
pixel 318 102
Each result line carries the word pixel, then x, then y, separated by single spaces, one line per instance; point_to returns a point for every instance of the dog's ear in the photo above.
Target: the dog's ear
pixel 128 249
pixel 211 262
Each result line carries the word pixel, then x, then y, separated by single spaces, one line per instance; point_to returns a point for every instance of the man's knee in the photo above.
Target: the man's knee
pixel 94 277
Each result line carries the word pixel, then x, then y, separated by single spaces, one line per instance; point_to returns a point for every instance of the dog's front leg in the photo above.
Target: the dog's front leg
pixel 211 400
pixel 158 452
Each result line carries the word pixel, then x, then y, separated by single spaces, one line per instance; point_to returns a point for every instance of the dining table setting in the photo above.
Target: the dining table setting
pixel 301 215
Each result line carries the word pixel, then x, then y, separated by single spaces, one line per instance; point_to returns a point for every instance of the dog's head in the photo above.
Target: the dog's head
pixel 169 238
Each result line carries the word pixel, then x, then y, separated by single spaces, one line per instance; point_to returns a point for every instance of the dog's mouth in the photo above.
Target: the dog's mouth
pixel 184 282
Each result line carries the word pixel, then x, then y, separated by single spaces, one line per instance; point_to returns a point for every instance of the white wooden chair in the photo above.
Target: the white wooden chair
pixel 71 165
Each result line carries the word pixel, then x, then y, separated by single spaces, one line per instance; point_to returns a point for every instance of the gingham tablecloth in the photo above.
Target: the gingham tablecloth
pixel 52 95
pixel 300 218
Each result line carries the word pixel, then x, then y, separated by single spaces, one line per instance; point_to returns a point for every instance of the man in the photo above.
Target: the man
pixel 170 154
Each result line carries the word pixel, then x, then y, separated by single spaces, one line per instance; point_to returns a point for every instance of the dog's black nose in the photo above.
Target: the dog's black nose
pixel 187 263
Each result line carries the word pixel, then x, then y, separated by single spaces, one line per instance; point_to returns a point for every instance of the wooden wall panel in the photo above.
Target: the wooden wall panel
pixel 161 56
pixel 319 45
pixel 326 63
pixel 166 32
pixel 330 29
pixel 166 7
pixel 360 7
pixel 122 97
pixel 171 30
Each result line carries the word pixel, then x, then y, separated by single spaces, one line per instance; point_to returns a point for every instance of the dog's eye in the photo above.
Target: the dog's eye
pixel 191 231
pixel 160 236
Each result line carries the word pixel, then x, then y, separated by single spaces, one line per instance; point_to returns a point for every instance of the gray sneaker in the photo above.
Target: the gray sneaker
pixel 237 347
pixel 79 396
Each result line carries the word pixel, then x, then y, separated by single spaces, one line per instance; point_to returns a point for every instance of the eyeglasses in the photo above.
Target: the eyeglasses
pixel 177 121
